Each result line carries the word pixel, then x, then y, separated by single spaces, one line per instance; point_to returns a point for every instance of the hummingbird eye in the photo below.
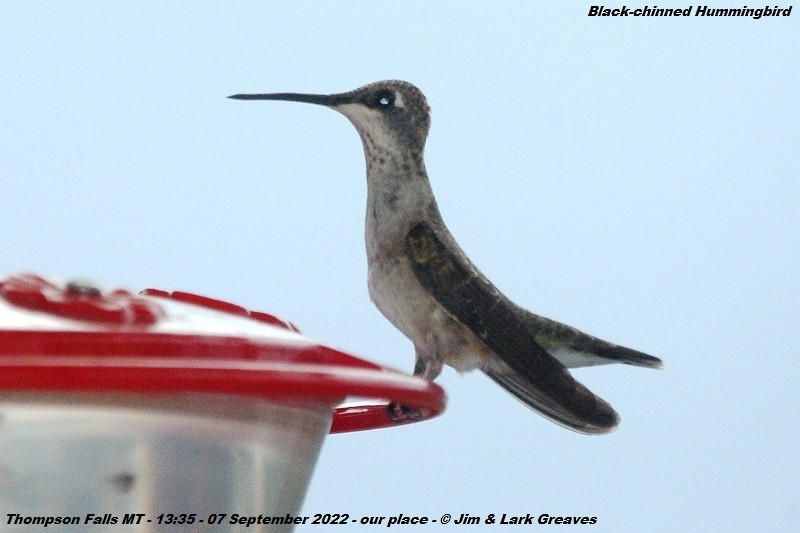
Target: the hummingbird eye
pixel 384 98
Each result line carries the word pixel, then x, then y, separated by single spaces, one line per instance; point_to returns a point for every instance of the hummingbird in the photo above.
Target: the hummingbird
pixel 425 285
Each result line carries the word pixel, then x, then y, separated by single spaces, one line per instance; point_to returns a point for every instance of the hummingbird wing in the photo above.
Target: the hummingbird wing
pixel 527 371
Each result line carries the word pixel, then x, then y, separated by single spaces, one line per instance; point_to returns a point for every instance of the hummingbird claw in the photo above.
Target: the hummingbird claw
pixel 401 413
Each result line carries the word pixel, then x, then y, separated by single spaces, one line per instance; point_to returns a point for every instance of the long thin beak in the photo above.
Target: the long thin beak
pixel 329 100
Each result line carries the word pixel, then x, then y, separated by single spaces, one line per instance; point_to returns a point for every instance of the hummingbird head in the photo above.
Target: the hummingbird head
pixel 386 113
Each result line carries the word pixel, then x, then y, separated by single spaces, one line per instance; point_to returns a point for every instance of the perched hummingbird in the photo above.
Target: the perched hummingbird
pixel 422 281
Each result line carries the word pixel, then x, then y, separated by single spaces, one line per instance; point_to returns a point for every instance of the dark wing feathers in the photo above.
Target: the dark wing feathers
pixel 604 421
pixel 533 375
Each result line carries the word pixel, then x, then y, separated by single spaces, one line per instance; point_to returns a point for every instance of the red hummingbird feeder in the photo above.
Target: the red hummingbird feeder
pixel 166 407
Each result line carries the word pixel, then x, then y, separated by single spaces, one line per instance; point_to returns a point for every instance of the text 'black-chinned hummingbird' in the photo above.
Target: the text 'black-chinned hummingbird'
pixel 422 281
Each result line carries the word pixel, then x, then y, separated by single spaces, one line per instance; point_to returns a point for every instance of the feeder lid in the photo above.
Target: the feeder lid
pixel 77 337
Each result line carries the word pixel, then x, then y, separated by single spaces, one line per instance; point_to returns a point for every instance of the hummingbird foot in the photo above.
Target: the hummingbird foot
pixel 403 413
pixel 427 366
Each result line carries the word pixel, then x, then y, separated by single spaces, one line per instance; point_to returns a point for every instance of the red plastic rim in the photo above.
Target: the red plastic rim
pixel 163 342
pixel 158 363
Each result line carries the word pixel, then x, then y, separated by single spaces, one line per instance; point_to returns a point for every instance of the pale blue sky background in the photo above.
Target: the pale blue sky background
pixel 636 178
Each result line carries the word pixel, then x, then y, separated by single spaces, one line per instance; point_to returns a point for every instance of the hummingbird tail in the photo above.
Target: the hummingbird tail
pixel 628 356
pixel 574 349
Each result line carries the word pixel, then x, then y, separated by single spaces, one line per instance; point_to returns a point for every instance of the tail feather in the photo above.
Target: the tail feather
pixel 573 348
pixel 628 356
